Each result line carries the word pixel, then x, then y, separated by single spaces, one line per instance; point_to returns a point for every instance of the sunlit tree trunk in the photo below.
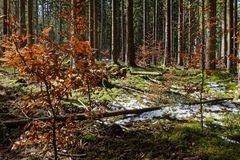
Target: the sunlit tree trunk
pixel 230 51
pixel 235 27
pixel 224 33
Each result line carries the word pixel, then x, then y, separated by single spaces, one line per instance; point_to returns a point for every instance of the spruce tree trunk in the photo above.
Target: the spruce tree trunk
pixel 101 29
pixel 95 18
pixel 123 31
pixel 130 35
pixel 190 32
pixel 22 20
pixel 180 33
pixel 30 21
pixel 230 53
pixel 91 24
pixel 115 36
pixel 211 44
pixel 145 29
pixel 224 34
pixel 168 35
pixel 5 14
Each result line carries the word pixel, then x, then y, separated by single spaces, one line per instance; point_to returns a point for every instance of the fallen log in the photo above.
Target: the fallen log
pixel 154 80
pixel 83 116
pixel 214 101
pixel 146 73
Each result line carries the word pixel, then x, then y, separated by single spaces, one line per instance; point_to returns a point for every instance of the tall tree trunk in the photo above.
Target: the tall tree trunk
pixel 123 31
pixel 91 23
pixel 43 13
pixel 190 32
pixel 95 19
pixel 115 36
pixel 155 22
pixel 180 32
pixel 224 33
pixel 30 21
pixel 5 14
pixel 22 19
pixel 236 28
pixel 130 35
pixel 203 59
pixel 211 45
pixel 230 53
pixel 145 26
pixel 4 24
pixel 168 35
pixel 101 28
pixel 36 17
pixel 60 38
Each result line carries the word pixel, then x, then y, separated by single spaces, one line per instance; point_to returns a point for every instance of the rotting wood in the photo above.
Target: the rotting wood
pixel 146 73
pixel 83 116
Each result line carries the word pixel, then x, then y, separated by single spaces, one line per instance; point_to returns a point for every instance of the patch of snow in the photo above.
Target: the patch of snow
pixel 229 140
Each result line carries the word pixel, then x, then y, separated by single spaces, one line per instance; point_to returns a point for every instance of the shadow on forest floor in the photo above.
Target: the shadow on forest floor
pixel 159 141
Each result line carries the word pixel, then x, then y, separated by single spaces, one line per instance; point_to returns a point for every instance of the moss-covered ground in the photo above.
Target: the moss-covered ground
pixel 149 139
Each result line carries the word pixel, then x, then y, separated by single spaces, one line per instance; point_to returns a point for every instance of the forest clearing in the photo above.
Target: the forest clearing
pixel 119 79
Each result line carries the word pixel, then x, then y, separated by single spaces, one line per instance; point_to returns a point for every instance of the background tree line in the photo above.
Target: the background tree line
pixel 161 31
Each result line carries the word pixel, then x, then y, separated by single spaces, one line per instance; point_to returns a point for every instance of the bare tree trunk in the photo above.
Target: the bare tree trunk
pixel 230 52
pixel 4 24
pixel 95 17
pixel 30 21
pixel 168 33
pixel 123 31
pixel 5 14
pixel 211 45
pixel 190 32
pixel 43 14
pixel 101 29
pixel 203 60
pixel 22 19
pixel 180 33
pixel 36 17
pixel 236 28
pixel 224 34
pixel 91 23
pixel 130 35
pixel 115 36
pixel 145 26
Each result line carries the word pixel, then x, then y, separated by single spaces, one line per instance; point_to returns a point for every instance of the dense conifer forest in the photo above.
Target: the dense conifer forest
pixel 119 79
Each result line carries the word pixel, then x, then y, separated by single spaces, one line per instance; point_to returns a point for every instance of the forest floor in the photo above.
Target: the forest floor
pixel 173 132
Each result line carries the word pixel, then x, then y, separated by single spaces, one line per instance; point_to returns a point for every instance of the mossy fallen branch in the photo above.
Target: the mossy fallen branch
pixel 146 73
pixel 83 116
